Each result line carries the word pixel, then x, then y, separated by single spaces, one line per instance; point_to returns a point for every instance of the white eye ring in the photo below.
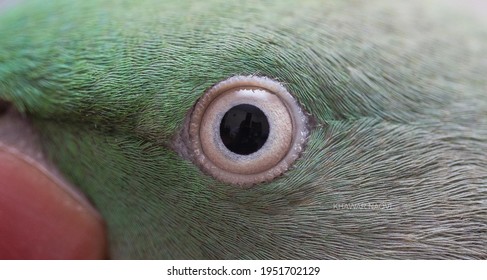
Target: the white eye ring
pixel 287 130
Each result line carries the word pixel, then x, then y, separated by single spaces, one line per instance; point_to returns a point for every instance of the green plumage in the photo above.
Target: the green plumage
pixel 397 93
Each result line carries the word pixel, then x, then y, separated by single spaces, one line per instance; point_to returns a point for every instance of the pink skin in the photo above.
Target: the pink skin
pixel 42 216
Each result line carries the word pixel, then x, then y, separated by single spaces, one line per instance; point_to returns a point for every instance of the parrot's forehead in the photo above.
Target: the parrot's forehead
pixel 142 65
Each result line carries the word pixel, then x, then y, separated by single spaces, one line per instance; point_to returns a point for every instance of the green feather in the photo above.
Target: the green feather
pixel 397 92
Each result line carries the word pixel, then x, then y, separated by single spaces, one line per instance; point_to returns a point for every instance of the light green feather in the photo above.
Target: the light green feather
pixel 397 91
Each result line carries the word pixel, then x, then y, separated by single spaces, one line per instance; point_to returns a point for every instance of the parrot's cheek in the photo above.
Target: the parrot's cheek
pixel 40 217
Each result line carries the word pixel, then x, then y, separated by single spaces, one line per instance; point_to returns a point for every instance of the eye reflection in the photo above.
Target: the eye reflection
pixel 244 129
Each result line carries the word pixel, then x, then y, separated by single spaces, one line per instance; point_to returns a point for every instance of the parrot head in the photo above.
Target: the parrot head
pixel 256 130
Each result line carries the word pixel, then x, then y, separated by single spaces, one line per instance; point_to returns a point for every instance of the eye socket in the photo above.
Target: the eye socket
pixel 246 130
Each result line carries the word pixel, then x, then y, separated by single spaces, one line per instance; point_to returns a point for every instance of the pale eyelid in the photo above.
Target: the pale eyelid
pixel 274 149
pixel 200 140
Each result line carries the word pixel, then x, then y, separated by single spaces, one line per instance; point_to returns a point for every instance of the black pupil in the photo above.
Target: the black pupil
pixel 244 129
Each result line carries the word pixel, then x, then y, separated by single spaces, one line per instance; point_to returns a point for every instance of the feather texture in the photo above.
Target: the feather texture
pixel 396 162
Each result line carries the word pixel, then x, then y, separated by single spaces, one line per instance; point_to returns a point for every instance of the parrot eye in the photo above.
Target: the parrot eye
pixel 246 130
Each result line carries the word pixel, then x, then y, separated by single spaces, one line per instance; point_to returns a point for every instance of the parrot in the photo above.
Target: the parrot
pixel 317 129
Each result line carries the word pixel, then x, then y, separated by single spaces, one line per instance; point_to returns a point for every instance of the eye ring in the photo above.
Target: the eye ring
pixel 287 133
